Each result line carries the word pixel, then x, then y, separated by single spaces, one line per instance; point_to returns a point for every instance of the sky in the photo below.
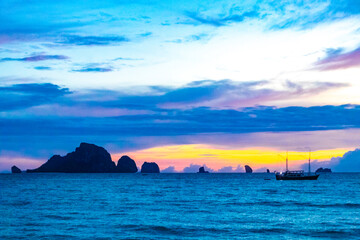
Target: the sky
pixel 182 83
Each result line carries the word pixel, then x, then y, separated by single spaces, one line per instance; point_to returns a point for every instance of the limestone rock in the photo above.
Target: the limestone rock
pixel 150 167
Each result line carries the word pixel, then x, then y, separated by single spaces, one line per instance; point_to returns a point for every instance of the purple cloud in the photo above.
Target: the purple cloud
pixel 349 162
pixel 230 169
pixel 21 96
pixel 336 59
pixel 170 169
pixel 224 94
pixel 194 168
pixel 36 114
pixel 36 58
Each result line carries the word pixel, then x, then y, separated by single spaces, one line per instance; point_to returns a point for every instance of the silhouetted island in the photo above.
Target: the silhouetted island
pixel 248 169
pixel 126 165
pixel 150 167
pixel 87 158
pixel 323 170
pixel 202 170
pixel 267 171
pixel 15 169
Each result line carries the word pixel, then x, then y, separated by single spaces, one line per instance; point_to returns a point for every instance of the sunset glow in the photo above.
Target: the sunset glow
pixel 182 156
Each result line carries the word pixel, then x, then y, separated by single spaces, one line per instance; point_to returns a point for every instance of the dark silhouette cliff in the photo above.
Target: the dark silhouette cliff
pixel 15 169
pixel 202 170
pixel 126 165
pixel 248 169
pixel 87 158
pixel 150 167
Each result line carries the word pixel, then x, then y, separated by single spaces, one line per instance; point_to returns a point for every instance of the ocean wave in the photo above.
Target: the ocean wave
pixel 302 204
pixel 173 230
pixel 268 230
pixel 16 203
pixel 150 228
pixel 340 234
pixel 333 205
pixel 58 217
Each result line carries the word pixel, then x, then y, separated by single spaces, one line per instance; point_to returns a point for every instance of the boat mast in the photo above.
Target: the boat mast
pixel 309 160
pixel 287 161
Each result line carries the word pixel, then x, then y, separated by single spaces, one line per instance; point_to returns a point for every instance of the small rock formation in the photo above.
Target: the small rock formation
pixel 15 169
pixel 126 165
pixel 323 170
pixel 202 170
pixel 150 167
pixel 267 171
pixel 87 158
pixel 248 169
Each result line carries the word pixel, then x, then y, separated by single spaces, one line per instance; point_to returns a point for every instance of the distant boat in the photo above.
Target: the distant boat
pixel 296 175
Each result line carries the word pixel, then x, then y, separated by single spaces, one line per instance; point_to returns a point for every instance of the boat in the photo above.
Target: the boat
pixel 296 175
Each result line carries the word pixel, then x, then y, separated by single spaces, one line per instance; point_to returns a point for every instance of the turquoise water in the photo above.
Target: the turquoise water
pixel 178 206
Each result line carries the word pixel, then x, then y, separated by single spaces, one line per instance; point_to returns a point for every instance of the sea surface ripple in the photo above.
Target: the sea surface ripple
pixel 178 206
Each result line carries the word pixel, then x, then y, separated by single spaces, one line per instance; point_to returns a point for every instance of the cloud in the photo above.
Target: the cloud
pixel 127 59
pixel 46 21
pixel 197 37
pixel 230 169
pixel 146 34
pixel 200 100
pixel 349 162
pixel 315 164
pixel 261 170
pixel 42 68
pixel 93 69
pixel 74 19
pixel 8 159
pixel 30 31
pixel 218 21
pixel 345 6
pixel 227 94
pixel 338 59
pixel 49 114
pixel 194 168
pixel 193 38
pixel 36 58
pixel 21 96
pixel 276 15
pixel 160 122
pixel 92 40
pixel 305 15
pixel 170 169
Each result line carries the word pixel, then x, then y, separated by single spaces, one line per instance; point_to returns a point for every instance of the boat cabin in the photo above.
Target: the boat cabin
pixel 297 173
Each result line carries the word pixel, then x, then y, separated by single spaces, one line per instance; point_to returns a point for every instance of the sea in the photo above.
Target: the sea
pixel 178 206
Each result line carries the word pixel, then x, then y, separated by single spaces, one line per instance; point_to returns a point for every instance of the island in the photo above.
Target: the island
pixel 87 158
pixel 323 170
pixel 248 169
pixel 150 167
pixel 126 165
pixel 15 169
pixel 202 170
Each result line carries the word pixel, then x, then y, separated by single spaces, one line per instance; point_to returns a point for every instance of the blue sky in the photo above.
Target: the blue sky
pixel 131 75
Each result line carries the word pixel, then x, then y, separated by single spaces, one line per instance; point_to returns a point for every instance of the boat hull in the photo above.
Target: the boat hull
pixel 311 177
